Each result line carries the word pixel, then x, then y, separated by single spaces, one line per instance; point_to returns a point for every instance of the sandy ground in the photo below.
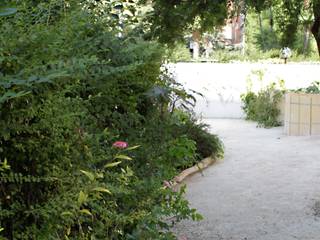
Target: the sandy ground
pixel 266 188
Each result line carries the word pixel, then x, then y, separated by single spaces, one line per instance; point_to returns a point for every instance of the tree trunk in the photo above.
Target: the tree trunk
pixel 196 37
pixel 261 30
pixel 316 32
pixel 243 40
pixel 271 22
pixel 244 17
pixel 306 38
pixel 316 25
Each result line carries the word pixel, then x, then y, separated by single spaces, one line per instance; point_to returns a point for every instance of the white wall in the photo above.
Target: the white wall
pixel 222 83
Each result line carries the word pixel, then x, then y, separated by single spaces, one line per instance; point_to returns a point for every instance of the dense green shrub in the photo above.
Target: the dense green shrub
pixel 313 88
pixel 180 53
pixel 207 144
pixel 69 88
pixel 263 106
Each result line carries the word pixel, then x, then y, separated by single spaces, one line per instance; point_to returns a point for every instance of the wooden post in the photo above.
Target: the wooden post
pixel 196 37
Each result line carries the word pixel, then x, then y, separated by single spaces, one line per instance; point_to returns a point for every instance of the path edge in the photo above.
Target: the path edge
pixel 200 166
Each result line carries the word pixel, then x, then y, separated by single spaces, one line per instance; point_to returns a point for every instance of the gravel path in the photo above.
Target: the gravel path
pixel 266 188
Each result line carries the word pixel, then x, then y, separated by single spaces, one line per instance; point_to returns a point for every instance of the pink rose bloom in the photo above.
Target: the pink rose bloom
pixel 120 144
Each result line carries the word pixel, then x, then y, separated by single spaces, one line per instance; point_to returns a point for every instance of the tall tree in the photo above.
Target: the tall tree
pixel 316 24
pixel 287 18
pixel 170 19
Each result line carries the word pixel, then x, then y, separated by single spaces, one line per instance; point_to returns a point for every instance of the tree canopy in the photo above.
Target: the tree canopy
pixel 170 19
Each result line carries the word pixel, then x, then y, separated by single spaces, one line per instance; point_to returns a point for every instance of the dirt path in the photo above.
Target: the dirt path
pixel 267 187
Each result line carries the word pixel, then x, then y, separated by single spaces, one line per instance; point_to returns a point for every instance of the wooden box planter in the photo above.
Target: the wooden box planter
pixel 302 114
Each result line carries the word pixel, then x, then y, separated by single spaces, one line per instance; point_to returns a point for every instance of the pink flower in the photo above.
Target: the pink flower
pixel 120 144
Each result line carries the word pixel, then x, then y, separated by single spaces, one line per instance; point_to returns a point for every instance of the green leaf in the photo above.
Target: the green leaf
pixel 57 74
pixel 101 189
pixel 6 11
pixel 99 175
pixel 88 174
pixel 82 198
pixel 10 94
pixel 86 211
pixel 67 213
pixel 132 148
pixel 4 165
pixel 127 12
pixel 122 157
pixel 109 165
pixel 197 217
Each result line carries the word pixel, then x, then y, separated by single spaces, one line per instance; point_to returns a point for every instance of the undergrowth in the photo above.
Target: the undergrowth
pixel 70 87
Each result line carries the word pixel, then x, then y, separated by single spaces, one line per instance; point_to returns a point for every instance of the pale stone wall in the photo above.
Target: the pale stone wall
pixel 222 84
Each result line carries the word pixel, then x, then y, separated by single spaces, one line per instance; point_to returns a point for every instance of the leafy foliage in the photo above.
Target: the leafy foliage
pixel 314 88
pixel 206 144
pixel 170 19
pixel 263 106
pixel 70 87
pixel 6 11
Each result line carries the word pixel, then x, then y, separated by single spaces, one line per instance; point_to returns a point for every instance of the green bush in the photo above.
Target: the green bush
pixel 70 87
pixel 263 107
pixel 249 100
pixel 314 88
pixel 180 53
pixel 207 144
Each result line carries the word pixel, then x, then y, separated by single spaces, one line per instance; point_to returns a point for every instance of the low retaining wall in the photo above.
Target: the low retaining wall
pixel 203 164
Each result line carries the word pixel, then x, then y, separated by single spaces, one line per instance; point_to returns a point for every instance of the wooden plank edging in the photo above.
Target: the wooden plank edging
pixel 203 164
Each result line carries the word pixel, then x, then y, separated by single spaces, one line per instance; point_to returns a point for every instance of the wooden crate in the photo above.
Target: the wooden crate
pixel 302 114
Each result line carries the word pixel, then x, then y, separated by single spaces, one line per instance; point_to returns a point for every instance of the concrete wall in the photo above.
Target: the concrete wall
pixel 222 84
